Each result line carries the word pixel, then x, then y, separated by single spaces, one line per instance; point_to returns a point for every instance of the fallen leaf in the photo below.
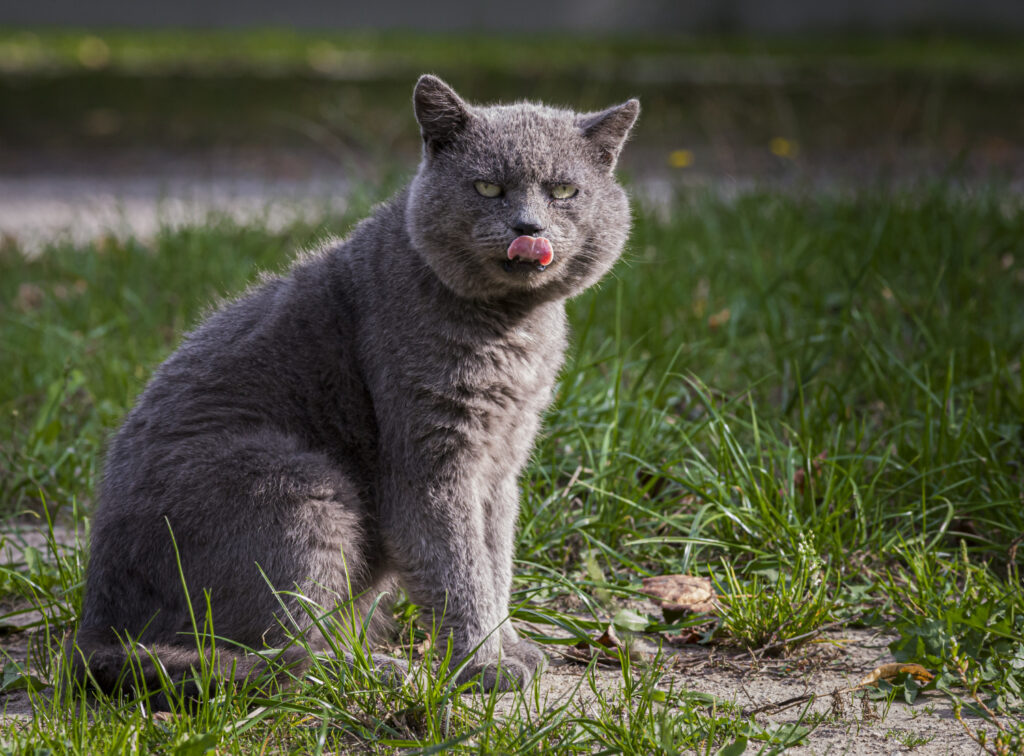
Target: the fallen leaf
pixel 584 653
pixel 679 595
pixel 687 637
pixel 609 639
pixel 894 670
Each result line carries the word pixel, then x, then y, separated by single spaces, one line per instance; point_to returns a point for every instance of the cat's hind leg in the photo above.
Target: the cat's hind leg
pixel 263 531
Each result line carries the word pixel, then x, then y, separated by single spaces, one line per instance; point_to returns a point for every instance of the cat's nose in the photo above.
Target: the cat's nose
pixel 526 228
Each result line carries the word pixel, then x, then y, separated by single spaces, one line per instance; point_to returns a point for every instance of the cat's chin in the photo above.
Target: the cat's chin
pixel 510 276
pixel 523 282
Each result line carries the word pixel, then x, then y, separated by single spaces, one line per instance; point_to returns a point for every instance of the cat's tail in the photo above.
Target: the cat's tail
pixel 164 670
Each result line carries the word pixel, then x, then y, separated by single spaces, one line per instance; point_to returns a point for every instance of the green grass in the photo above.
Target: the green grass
pixel 341 100
pixel 817 401
pixel 281 51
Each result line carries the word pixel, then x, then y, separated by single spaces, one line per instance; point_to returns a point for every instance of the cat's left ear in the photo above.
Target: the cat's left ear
pixel 440 112
pixel 608 130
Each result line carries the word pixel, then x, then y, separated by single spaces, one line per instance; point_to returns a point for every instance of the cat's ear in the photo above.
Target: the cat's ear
pixel 440 112
pixel 608 130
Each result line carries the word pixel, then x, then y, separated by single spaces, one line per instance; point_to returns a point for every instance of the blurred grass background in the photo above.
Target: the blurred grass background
pixel 296 103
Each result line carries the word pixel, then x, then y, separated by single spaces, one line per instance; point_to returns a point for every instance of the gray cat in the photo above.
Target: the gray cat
pixel 364 417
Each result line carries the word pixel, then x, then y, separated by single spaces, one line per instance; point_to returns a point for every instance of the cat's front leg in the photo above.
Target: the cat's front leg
pixel 503 516
pixel 438 544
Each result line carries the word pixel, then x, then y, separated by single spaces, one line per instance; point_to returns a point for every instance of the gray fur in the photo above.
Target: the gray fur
pixel 365 416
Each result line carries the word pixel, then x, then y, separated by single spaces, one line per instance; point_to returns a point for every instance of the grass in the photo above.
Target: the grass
pixel 724 105
pixel 278 52
pixel 816 401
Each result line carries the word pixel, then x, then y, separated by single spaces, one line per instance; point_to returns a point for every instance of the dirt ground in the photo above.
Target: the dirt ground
pixel 849 723
pixel 825 670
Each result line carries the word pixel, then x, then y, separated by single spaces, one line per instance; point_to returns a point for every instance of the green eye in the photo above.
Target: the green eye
pixel 564 191
pixel 487 189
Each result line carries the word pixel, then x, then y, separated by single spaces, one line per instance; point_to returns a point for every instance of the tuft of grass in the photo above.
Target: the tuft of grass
pixel 774 616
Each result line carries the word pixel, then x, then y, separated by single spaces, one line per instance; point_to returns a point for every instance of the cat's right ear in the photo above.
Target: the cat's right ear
pixel 440 112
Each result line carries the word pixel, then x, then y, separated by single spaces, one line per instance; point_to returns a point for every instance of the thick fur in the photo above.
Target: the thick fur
pixel 364 417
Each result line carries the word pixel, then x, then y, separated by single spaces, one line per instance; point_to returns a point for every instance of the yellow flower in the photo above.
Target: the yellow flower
pixel 93 52
pixel 783 148
pixel 325 58
pixel 680 158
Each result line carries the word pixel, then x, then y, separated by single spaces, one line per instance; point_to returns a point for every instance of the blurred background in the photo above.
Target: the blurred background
pixel 110 106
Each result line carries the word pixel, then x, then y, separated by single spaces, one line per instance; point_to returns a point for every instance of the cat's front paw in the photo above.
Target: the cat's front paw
pixel 505 675
pixel 520 663
pixel 390 670
pixel 528 653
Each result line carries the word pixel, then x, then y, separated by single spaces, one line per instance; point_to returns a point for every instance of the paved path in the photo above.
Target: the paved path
pixel 38 209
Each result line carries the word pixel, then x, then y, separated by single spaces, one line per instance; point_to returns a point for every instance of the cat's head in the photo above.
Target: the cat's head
pixel 490 175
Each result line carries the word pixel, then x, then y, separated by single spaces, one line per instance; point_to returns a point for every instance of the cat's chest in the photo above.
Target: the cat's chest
pixel 516 368
pixel 482 380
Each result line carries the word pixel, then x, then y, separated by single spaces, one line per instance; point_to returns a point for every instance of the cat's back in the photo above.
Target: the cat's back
pixel 281 356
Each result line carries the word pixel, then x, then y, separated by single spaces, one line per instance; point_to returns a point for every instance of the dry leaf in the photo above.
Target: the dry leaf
pixel 424 646
pixel 681 594
pixel 609 639
pixel 894 670
pixel 719 319
pixel 688 637
pixel 605 648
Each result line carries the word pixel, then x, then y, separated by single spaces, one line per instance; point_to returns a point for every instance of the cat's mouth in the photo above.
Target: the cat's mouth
pixel 527 253
pixel 523 266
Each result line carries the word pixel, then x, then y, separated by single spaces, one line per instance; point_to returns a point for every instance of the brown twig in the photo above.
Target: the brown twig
pixel 775 708
pixel 813 633
pixel 572 481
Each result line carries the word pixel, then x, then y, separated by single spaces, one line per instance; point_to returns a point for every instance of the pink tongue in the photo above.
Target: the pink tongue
pixel 531 248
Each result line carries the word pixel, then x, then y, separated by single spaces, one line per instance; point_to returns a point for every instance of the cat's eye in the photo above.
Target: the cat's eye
pixel 487 189
pixel 564 191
